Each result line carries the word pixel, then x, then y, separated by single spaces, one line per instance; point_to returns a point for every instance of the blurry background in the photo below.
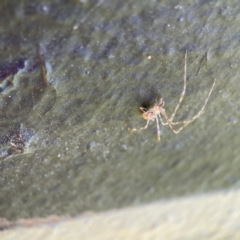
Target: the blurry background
pixel 73 73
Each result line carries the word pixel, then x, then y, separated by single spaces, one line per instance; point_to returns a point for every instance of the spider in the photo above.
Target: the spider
pixel 157 110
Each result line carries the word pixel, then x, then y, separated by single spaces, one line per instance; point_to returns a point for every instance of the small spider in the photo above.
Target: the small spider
pixel 157 110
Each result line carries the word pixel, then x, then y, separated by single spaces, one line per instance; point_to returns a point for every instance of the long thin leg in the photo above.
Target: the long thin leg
pixel 158 130
pixel 163 123
pixel 170 123
pixel 137 129
pixel 184 89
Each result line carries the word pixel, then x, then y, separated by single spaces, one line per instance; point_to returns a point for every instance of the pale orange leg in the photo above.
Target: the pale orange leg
pixel 137 129
pixel 184 89
pixel 185 123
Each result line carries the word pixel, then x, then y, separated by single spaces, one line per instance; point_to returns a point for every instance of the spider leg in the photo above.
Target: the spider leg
pixel 158 130
pixel 185 123
pixel 169 123
pixel 184 89
pixel 161 102
pixel 163 123
pixel 177 123
pixel 143 109
pixel 137 129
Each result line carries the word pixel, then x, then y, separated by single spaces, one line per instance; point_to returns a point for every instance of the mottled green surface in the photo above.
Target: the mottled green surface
pixel 78 154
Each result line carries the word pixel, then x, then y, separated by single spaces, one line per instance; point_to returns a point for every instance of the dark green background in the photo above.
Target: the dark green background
pixel 79 155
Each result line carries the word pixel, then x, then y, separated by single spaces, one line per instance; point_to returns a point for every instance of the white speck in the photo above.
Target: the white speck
pixel 75 27
pixel 178 7
pixel 45 9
